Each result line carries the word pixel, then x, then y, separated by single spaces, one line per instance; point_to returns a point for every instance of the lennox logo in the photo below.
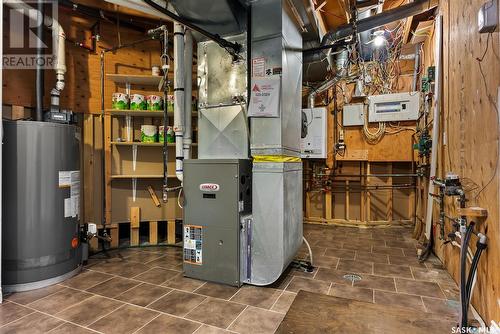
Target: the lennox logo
pixel 209 187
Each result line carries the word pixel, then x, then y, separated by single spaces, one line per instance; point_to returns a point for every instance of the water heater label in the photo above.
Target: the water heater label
pixel 193 242
pixel 209 187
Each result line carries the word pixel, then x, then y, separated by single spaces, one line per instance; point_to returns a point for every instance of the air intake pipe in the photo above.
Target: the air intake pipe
pixel 179 99
pixel 60 65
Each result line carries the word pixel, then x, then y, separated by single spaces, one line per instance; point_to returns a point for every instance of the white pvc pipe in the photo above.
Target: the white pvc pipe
pixel 188 83
pixel 179 98
pixel 60 66
pixel 435 126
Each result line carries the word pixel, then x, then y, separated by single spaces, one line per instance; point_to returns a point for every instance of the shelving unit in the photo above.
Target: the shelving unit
pixel 133 166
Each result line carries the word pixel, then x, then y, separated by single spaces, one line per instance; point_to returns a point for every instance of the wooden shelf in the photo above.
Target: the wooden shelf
pixel 125 143
pixel 134 79
pixel 131 176
pixel 140 113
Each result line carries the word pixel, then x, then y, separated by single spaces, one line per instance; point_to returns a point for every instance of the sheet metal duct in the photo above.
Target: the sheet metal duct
pixel 277 186
pixel 222 17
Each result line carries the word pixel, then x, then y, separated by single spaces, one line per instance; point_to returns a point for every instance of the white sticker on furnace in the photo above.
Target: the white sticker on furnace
pixel 193 242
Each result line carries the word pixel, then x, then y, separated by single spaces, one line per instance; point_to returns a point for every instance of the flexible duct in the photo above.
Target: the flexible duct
pixel 179 99
pixel 60 65
pixel 188 83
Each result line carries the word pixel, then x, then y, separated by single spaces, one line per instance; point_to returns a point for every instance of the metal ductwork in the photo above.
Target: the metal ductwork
pixel 366 24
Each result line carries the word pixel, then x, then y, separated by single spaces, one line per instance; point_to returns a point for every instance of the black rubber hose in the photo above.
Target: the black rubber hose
pixel 480 247
pixel 463 272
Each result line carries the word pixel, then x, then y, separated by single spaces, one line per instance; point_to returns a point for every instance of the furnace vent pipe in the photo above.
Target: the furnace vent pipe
pixel 60 66
pixel 179 99
pixel 188 83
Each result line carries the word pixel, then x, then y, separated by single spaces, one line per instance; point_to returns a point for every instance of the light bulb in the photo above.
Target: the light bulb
pixel 379 41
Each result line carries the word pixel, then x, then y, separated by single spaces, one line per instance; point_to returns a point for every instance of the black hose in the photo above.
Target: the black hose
pixel 39 80
pixel 463 271
pixel 231 47
pixel 480 247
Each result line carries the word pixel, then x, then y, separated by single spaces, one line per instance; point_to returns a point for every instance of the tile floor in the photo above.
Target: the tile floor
pixel 143 290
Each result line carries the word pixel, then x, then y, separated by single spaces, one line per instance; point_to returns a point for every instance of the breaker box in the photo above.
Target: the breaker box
pixel 217 195
pixel 394 107
pixel 314 143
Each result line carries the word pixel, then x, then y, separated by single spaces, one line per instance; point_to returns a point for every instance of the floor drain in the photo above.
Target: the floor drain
pixel 352 277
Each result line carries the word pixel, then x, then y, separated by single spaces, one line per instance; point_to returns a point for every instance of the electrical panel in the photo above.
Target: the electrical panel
pixel 353 114
pixel 314 143
pixel 394 107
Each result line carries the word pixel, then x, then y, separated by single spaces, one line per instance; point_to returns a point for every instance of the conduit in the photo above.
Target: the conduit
pixel 188 83
pixel 179 99
pixel 435 126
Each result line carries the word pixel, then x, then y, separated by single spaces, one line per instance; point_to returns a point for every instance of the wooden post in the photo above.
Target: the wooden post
pixel 368 194
pixel 308 205
pixel 107 161
pixel 389 213
pixel 171 232
pixel 347 208
pixel 135 221
pixel 362 205
pixel 153 233
pixel 328 205
pixel 115 235
pixel 88 175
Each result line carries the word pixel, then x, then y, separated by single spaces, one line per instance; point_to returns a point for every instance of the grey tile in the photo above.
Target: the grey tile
pixel 255 320
pixel 180 282
pixel 70 328
pixel 284 301
pixel 86 312
pixel 143 294
pixel 216 290
pixel 156 276
pixel 352 292
pixel 257 296
pixel 60 300
pixel 341 253
pixel 216 312
pixel 169 325
pixel 376 282
pixel 333 275
pixel 399 299
pixel 392 270
pixel 126 319
pixel 362 267
pixel 10 312
pixel 325 261
pixel 206 329
pixel 177 303
pixel 421 288
pixel 34 323
pixel 113 287
pixel 86 279
pixel 371 257
pixel 307 284
pixel 30 296
pixel 388 250
pixel 442 306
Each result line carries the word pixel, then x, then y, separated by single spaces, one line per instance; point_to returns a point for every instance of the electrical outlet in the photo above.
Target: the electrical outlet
pixel 487 17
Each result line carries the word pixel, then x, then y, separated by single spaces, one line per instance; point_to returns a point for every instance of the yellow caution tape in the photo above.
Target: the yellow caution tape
pixel 275 158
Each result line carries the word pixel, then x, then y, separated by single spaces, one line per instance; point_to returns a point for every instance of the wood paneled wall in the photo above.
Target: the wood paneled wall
pixel 471 94
pixel 82 91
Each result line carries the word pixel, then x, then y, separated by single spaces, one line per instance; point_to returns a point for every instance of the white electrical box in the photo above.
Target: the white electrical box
pixel 353 114
pixel 314 144
pixel 394 107
pixel 487 17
